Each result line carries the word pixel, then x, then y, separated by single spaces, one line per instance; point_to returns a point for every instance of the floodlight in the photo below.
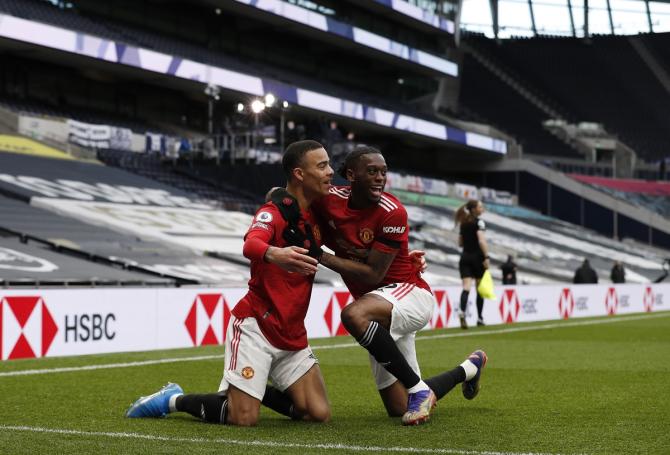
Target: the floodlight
pixel 257 106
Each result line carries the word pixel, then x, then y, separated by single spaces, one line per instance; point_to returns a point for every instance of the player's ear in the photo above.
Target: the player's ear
pixel 351 176
pixel 298 174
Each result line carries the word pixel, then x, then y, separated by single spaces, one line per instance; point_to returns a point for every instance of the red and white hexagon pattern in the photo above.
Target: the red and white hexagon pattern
pixel 611 301
pixel 331 315
pixel 27 327
pixel 442 312
pixel 566 303
pixel 207 319
pixel 509 306
pixel 648 299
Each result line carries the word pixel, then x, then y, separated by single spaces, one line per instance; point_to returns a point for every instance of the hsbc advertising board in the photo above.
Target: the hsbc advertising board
pixel 47 323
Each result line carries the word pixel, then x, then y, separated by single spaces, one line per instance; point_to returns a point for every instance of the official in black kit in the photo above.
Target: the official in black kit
pixel 474 257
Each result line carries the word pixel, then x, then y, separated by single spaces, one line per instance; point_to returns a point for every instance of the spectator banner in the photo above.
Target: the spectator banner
pixel 495 196
pixel 99 136
pixel 120 138
pixel 65 322
pixel 416 184
pixel 43 128
pixel 466 191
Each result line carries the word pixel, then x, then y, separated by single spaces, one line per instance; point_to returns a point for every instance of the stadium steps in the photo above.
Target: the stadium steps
pixel 159 279
pixel 648 57
pixel 152 167
pixel 511 79
pixel 481 86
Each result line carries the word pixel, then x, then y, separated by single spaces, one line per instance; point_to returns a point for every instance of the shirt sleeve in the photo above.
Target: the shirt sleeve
pixel 392 232
pixel 255 246
pixel 481 226
pixel 266 222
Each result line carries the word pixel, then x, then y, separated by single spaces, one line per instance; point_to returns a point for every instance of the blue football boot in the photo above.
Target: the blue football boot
pixel 156 404
pixel 471 387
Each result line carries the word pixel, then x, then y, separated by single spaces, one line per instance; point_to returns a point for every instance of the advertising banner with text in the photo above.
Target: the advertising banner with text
pixel 67 322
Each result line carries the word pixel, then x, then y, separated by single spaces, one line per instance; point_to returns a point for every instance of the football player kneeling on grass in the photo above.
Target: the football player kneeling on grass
pixel 266 336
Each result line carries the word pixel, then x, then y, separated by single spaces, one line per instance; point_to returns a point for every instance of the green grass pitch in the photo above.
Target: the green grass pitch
pixel 581 386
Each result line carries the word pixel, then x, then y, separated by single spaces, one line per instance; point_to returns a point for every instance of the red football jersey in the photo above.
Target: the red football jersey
pixel 276 298
pixel 353 233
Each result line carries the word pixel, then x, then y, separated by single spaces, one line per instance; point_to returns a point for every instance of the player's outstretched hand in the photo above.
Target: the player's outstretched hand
pixel 292 259
pixel 418 258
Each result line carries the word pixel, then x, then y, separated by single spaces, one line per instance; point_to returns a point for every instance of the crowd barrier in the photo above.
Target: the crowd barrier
pixel 69 322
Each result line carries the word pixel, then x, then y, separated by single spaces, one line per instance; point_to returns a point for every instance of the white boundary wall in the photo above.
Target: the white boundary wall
pixel 64 322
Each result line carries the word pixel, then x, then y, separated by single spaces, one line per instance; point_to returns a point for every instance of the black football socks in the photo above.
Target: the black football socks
pixel 444 382
pixel 379 342
pixel 210 407
pixel 279 402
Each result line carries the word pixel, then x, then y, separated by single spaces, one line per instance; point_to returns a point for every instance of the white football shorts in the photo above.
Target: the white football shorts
pixel 250 360
pixel 412 310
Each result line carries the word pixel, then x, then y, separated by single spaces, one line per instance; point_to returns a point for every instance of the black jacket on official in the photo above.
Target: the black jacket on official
pixel 471 264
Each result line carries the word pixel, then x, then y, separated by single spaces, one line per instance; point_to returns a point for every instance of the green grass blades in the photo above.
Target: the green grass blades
pixel 580 386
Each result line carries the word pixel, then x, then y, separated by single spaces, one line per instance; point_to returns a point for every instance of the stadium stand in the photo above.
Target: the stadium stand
pixel 163 235
pixel 218 193
pixel 71 237
pixel 80 20
pixel 600 80
pixel 40 108
pixel 31 262
pixel 40 196
pixel 485 94
pixel 655 196
pixel 548 250
pixel 518 109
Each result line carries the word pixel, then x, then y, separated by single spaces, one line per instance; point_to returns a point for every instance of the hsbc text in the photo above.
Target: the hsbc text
pixel 89 327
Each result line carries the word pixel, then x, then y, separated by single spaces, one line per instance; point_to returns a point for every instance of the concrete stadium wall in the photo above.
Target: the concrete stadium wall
pixel 68 322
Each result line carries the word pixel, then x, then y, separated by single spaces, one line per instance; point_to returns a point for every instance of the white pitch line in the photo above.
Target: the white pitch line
pixel 549 326
pixel 256 443
pixel 340 345
pixel 106 366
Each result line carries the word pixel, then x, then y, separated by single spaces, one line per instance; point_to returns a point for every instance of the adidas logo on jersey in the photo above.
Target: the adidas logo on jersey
pixel 393 229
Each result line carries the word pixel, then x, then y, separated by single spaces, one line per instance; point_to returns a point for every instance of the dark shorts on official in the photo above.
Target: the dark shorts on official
pixel 471 266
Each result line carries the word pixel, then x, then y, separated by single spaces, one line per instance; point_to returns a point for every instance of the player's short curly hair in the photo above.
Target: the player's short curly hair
pixel 352 158
pixel 294 154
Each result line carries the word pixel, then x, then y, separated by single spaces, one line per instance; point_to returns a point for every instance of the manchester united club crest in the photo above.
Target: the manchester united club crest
pixel 247 372
pixel 366 235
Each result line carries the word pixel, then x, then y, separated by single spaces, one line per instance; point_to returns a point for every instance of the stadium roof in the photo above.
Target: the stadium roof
pixel 518 18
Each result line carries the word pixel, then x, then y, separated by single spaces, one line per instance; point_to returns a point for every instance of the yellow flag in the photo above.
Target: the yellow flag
pixel 485 288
